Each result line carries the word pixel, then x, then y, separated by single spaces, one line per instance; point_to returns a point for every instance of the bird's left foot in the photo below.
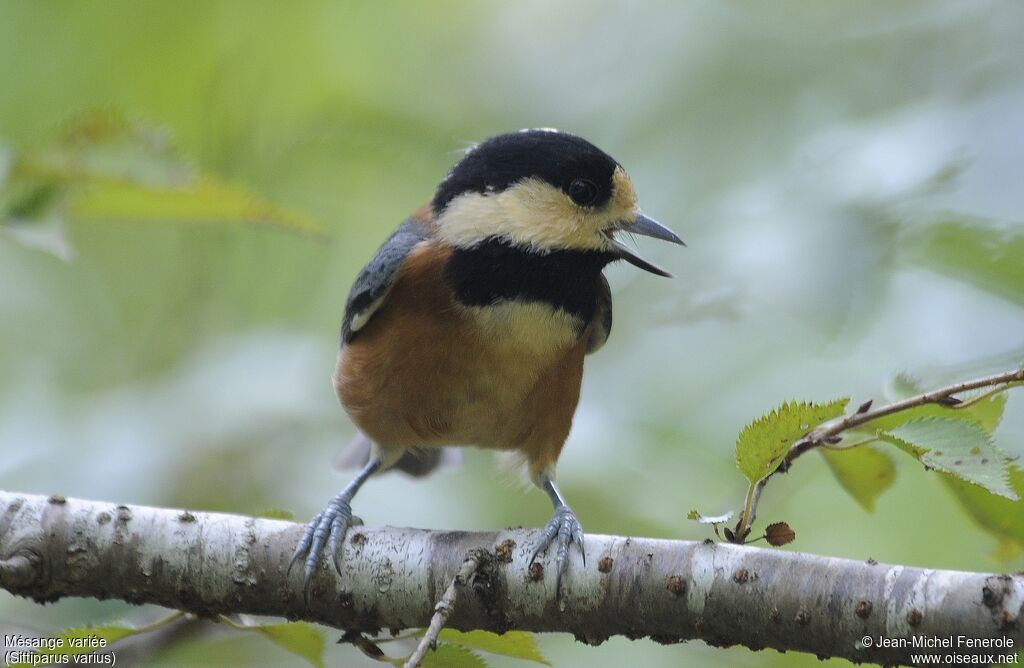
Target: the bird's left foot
pixel 562 529
pixel 326 530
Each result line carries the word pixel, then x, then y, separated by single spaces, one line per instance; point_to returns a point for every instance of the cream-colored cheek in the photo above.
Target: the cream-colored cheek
pixel 530 213
pixel 623 194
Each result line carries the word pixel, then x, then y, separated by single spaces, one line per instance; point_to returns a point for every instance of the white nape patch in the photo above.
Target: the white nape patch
pixel 552 130
pixel 360 319
pixel 527 328
pixel 531 213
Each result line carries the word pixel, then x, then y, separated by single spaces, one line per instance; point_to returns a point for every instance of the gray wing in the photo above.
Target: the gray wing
pixel 602 320
pixel 373 282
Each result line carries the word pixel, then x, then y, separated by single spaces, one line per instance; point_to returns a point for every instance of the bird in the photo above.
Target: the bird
pixel 471 323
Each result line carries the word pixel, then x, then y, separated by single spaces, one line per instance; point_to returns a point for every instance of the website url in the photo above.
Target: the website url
pixel 961 659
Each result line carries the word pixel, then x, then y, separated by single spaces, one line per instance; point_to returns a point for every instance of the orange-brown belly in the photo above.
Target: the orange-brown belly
pixel 427 389
pixel 427 372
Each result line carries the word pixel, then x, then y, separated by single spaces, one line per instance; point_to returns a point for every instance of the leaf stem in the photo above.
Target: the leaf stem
pixel 847 446
pixel 981 397
pixel 749 503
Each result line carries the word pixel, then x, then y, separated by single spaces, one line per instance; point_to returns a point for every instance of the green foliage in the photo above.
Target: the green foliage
pixel 985 412
pixel 516 644
pixel 764 442
pixel 984 254
pixel 1000 516
pixel 80 639
pixel 449 656
pixel 106 168
pixel 299 638
pixel 957 442
pixel 923 432
pixel 955 447
pixel 863 471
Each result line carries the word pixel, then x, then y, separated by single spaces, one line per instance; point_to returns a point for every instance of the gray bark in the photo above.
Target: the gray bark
pixel 671 591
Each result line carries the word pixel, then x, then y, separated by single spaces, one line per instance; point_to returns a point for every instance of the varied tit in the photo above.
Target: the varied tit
pixel 471 323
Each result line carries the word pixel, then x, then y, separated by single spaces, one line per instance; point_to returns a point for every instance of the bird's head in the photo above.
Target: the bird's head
pixel 544 190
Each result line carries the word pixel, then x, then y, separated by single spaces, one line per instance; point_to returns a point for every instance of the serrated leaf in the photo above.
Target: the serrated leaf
pixel 709 519
pixel 299 638
pixel 905 385
pixel 77 640
pixel 763 443
pixel 452 656
pixel 959 448
pixel 864 472
pixel 516 644
pixel 1001 517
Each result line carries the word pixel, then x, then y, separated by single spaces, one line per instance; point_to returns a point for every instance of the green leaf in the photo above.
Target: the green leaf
pixel 863 471
pixel 1001 517
pixel 979 252
pixel 108 168
pixel 81 639
pixel 988 412
pixel 959 448
pixel 517 644
pixel 299 638
pixel 28 201
pixel 764 442
pixel 203 200
pixel 451 656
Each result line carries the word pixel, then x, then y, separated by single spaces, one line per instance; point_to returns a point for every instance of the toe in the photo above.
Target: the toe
pixel 550 532
pixel 338 529
pixel 304 543
pixel 577 537
pixel 562 555
pixel 316 547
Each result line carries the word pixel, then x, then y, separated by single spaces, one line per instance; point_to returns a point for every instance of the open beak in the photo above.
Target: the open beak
pixel 647 227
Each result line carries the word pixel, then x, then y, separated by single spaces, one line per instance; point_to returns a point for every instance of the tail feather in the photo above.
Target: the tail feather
pixel 414 462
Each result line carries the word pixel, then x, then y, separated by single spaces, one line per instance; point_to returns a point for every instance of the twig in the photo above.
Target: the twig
pixel 442 611
pixel 827 433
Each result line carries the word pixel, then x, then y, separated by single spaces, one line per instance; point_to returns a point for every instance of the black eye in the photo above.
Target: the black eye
pixel 583 192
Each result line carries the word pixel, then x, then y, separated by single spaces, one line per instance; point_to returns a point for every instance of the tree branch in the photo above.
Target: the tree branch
pixel 211 563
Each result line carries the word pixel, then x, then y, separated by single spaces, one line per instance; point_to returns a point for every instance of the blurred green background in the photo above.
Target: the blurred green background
pixel 849 178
